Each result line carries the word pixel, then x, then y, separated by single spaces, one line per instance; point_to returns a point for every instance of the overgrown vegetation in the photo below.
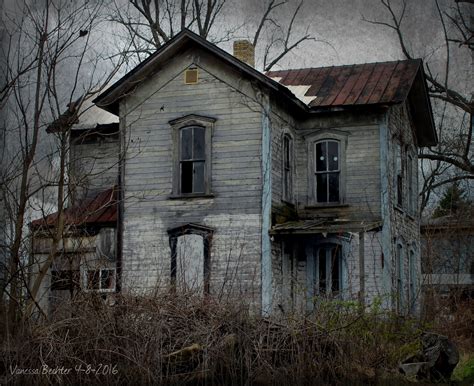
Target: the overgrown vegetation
pixel 187 339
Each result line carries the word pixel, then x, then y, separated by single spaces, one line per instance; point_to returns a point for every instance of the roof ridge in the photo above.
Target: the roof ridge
pixel 343 65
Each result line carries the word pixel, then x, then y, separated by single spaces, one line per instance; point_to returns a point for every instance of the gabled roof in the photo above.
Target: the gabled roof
pixel 99 210
pixel 325 89
pixel 109 99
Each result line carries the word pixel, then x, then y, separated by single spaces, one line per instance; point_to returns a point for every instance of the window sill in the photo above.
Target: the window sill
pixel 330 205
pixel 188 196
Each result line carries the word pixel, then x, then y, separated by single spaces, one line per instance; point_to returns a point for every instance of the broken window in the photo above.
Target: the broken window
pixel 328 267
pixel 192 160
pixel 287 168
pixel 192 135
pixel 327 171
pixel 101 280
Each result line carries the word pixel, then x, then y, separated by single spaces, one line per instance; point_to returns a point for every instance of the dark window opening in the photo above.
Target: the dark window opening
pixel 399 190
pixel 329 269
pixel 287 168
pixel 192 160
pixel 327 171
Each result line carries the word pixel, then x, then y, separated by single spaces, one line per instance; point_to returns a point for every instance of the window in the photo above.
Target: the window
pixel 411 280
pixel 192 155
pixel 192 160
pixel 100 280
pixel 327 171
pixel 399 278
pixel 399 175
pixel 412 182
pixel 287 168
pixel 190 257
pixel 328 266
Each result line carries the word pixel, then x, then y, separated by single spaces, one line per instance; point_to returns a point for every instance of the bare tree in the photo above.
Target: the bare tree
pixel 50 62
pixel 452 159
pixel 151 23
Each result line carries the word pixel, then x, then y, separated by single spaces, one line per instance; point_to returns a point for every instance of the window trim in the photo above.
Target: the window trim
pixel 288 193
pixel 191 120
pixel 400 279
pixel 85 282
pixel 187 229
pixel 326 135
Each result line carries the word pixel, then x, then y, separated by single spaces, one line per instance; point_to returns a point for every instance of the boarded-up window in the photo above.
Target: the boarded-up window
pixel 327 170
pixel 190 262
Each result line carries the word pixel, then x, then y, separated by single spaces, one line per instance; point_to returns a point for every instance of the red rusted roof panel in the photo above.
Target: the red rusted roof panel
pixel 100 209
pixel 359 84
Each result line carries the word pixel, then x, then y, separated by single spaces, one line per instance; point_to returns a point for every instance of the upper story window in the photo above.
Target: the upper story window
pixel 327 171
pixel 327 166
pixel 192 137
pixel 399 175
pixel 192 160
pixel 287 168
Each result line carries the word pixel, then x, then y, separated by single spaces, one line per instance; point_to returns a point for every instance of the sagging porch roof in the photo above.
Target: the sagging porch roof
pixel 323 225
pixel 99 210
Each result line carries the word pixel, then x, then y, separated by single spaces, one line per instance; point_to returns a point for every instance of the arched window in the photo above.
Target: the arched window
pixel 327 171
pixel 192 160
pixel 287 193
pixel 192 136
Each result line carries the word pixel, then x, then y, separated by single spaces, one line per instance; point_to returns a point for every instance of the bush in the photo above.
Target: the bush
pixel 187 339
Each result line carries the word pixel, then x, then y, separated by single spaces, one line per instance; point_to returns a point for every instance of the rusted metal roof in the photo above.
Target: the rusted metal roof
pixel 324 225
pixel 101 209
pixel 357 84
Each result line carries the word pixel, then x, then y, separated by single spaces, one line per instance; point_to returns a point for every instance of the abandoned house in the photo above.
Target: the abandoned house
pixel 282 189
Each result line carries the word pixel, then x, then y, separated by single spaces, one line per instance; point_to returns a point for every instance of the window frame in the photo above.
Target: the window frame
pixel 400 277
pixel 191 121
pixel 187 229
pixel 321 136
pixel 327 247
pixel 287 191
pixel 85 279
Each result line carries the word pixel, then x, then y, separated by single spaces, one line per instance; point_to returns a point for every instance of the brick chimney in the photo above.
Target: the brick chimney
pixel 245 51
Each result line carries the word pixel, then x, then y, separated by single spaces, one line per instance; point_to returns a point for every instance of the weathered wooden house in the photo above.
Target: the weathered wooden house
pixel 281 189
